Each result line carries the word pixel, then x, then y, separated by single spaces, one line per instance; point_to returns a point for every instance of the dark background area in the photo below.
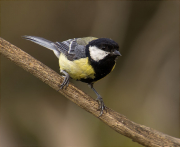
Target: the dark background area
pixel 144 86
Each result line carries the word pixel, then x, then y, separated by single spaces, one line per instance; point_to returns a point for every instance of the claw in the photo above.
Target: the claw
pixel 65 82
pixel 102 107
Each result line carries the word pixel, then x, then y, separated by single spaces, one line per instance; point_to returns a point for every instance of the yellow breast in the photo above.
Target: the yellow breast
pixel 77 69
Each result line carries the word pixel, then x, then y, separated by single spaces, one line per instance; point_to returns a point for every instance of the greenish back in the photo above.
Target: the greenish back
pixel 85 40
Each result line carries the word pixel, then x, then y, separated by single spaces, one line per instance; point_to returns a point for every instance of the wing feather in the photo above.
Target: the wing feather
pixel 71 49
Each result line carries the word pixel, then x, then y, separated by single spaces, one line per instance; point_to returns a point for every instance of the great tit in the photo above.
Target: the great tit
pixel 87 59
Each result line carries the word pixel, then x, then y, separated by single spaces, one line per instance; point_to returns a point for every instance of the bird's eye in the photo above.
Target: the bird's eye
pixel 103 48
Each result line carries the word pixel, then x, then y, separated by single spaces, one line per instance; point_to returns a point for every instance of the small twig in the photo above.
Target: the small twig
pixel 138 133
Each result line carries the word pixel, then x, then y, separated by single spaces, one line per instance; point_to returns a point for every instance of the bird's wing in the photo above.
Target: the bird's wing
pixel 71 49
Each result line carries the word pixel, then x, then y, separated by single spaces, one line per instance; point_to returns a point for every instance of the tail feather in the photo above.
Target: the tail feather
pixel 43 42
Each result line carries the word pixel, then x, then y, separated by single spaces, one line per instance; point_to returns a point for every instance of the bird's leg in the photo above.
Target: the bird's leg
pixel 66 80
pixel 100 100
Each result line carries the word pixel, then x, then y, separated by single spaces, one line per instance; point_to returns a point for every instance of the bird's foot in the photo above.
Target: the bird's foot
pixel 102 107
pixel 65 82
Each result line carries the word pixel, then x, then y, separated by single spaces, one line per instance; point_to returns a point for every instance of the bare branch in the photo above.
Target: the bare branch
pixel 138 133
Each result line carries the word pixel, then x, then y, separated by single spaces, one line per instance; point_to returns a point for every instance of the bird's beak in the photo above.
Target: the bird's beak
pixel 117 53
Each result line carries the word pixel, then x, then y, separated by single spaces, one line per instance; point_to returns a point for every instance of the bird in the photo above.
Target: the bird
pixel 86 59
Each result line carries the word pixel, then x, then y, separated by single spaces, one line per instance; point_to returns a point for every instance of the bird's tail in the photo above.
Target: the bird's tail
pixel 43 42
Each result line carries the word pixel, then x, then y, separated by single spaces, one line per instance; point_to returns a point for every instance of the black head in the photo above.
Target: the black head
pixel 102 54
pixel 102 49
pixel 105 44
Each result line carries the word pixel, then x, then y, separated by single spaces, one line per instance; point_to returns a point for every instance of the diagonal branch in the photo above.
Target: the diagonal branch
pixel 143 135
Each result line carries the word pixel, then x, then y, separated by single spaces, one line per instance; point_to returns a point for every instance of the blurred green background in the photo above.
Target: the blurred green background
pixel 144 86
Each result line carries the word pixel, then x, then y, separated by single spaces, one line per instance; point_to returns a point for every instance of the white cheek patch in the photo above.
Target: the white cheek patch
pixel 97 54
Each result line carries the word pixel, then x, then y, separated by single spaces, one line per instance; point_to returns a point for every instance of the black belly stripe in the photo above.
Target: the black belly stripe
pixel 101 68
